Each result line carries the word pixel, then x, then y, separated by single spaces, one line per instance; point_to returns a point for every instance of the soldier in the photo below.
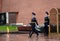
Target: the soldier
pixel 46 23
pixel 33 21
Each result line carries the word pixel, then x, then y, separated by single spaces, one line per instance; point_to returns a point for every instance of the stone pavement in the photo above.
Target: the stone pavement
pixel 24 37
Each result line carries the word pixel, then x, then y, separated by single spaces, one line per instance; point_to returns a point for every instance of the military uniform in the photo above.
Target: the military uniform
pixel 33 21
pixel 46 25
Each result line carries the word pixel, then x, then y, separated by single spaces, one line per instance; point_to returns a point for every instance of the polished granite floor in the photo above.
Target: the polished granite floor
pixel 24 37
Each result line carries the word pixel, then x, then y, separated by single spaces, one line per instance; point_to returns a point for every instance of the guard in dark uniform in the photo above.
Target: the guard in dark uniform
pixel 46 30
pixel 33 21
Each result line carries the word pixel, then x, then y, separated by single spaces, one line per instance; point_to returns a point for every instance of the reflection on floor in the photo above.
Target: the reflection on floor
pixel 24 37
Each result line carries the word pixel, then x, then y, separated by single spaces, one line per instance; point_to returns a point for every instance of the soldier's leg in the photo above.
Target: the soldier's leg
pixel 36 32
pixel 31 33
pixel 46 31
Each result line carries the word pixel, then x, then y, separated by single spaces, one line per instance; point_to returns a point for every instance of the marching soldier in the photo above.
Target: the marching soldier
pixel 46 24
pixel 33 21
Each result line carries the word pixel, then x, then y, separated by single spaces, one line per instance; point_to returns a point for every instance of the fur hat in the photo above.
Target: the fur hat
pixel 47 13
pixel 33 13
